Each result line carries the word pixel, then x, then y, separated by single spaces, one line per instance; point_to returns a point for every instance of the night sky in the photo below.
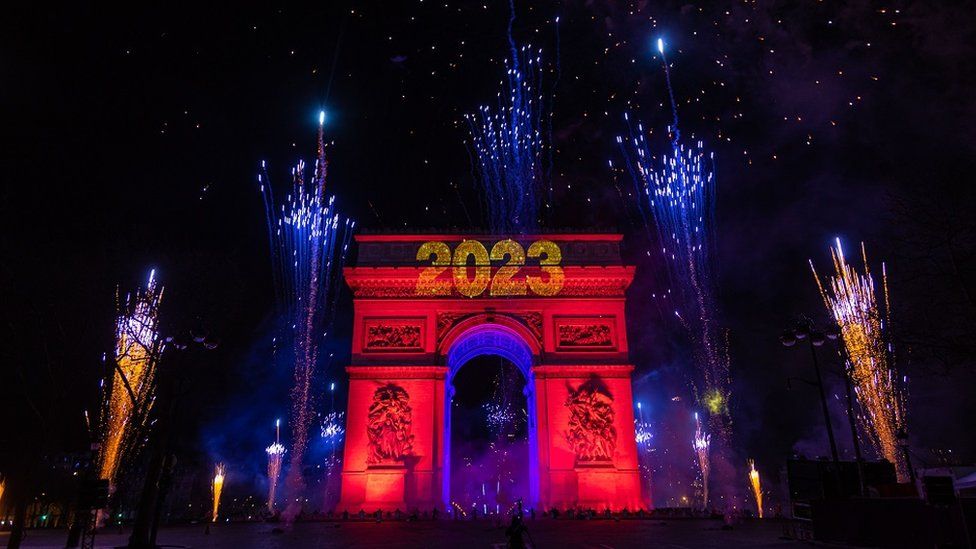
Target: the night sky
pixel 134 138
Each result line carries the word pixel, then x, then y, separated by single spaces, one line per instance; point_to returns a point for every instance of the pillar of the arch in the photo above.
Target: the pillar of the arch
pixel 565 481
pixel 412 482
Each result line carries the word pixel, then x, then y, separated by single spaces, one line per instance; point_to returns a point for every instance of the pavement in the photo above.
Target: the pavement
pixel 545 533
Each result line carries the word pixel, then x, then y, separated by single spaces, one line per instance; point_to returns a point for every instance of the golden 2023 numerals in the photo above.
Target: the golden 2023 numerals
pixel 472 273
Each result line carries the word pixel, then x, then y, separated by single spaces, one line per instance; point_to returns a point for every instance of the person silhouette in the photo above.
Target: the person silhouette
pixel 516 531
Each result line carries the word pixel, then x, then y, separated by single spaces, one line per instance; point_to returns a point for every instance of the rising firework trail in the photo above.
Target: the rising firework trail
pixel 309 241
pixel 865 322
pixel 129 396
pixel 507 141
pixel 702 444
pixel 332 432
pixel 756 487
pixel 645 445
pixel 276 454
pixel 218 487
pixel 678 199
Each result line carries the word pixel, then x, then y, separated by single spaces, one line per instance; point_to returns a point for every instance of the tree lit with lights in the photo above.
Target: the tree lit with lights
pixel 129 397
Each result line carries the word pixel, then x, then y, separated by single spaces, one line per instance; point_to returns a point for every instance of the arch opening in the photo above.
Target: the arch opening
pixel 506 353
pixel 490 445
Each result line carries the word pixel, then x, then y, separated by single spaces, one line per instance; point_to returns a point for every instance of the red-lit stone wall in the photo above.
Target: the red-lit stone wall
pixel 567 483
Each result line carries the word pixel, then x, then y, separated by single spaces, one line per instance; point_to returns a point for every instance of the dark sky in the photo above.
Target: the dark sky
pixel 134 138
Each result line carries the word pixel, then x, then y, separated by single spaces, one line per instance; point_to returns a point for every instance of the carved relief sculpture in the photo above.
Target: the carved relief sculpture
pixel 533 320
pixel 447 320
pixel 388 425
pixel 390 336
pixel 585 335
pixel 591 431
pixel 530 319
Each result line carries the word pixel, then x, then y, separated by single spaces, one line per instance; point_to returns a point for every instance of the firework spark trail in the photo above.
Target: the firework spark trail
pixel 276 453
pixel 131 394
pixel 508 142
pixel 642 430
pixel 309 242
pixel 852 300
pixel 504 416
pixel 680 196
pixel 3 486
pixel 332 432
pixel 680 202
pixel 552 107
pixel 218 487
pixel 645 439
pixel 498 417
pixel 756 487
pixel 701 444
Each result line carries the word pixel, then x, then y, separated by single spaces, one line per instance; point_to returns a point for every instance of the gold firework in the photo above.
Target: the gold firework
pixel 130 396
pixel 218 487
pixel 756 486
pixel 852 300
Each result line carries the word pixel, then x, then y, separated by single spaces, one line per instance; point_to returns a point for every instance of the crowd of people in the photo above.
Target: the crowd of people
pixel 577 513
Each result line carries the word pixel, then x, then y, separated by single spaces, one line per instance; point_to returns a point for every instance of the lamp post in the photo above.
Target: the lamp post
pixel 804 331
pixel 832 334
pixel 902 437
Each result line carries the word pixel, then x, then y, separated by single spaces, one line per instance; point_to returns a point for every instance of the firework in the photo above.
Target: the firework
pixel 701 444
pixel 756 486
pixel 332 428
pixel 3 486
pixel 503 414
pixel 218 487
pixel 642 430
pixel 332 432
pixel 508 142
pixel 309 241
pixel 644 439
pixel 498 416
pixel 678 198
pixel 864 321
pixel 129 397
pixel 276 454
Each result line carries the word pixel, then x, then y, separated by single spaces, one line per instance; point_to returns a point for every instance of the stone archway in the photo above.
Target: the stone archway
pixel 420 314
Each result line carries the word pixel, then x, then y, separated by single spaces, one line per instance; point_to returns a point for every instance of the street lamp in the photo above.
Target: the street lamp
pixel 831 333
pixel 902 437
pixel 805 331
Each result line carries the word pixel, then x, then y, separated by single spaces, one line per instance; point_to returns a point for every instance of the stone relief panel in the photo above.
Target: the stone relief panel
pixel 393 335
pixel 530 319
pixel 586 334
pixel 388 426
pixel 591 432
